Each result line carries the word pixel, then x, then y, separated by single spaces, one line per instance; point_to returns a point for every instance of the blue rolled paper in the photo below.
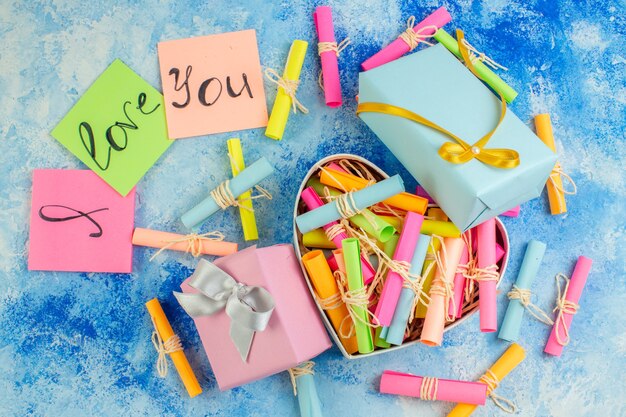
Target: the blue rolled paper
pixel 364 198
pixel 241 183
pixel 512 322
pixel 395 334
pixel 308 399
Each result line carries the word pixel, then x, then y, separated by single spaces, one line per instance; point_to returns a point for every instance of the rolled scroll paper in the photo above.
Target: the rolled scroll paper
pixel 514 212
pixel 433 389
pixel 490 77
pixel 399 47
pixel 303 383
pixel 317 239
pixel 556 192
pixel 440 228
pixel 246 210
pixel 379 338
pixel 195 244
pixel 410 295
pixel 286 98
pixel 226 193
pixel 334 176
pixel 357 295
pixel 512 357
pixel 455 307
pixel 334 230
pixel 441 292
pixel 373 224
pixel 419 190
pixel 402 256
pixel 168 342
pixel 488 275
pixel 328 52
pixel 428 272
pixel 567 306
pixel 328 294
pixel 520 295
pixel 438 214
pixel 349 204
pixel 389 247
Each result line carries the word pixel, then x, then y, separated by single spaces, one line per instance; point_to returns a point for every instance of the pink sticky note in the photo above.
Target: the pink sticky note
pixel 79 223
pixel 212 84
pixel 323 19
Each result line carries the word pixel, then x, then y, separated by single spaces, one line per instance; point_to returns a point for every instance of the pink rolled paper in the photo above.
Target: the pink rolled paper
pixel 404 253
pixel 313 201
pixel 332 263
pixel 399 47
pixel 499 253
pixel 456 302
pixel 514 212
pixel 486 253
pixel 435 321
pixel 466 392
pixel 574 291
pixel 323 19
pixel 420 191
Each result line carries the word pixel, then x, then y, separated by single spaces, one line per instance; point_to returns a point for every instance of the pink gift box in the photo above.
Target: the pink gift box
pixel 294 333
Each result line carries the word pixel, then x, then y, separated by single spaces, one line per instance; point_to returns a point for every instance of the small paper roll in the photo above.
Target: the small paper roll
pixel 512 322
pixel 246 210
pixel 158 239
pixel 395 334
pixel 399 47
pixel 335 176
pixel 433 247
pixel 438 214
pixel 435 321
pixel 364 198
pixel 556 197
pixel 490 77
pixel 440 228
pixel 512 357
pixel 514 212
pixel 325 286
pixel 246 179
pixel 282 105
pixel 393 284
pixel 574 291
pixel 455 308
pixel 351 257
pixel 317 239
pixel 323 19
pixel 308 399
pixel 486 253
pixel 409 385
pixel 178 358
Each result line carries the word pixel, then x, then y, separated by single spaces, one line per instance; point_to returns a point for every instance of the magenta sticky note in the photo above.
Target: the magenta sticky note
pixel 79 223
pixel 294 334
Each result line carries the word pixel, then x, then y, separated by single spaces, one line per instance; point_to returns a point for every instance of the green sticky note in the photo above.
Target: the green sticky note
pixel 117 128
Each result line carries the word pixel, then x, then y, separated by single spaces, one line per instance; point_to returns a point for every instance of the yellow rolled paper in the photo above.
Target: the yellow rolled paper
pixel 246 210
pixel 352 260
pixel 437 213
pixel 317 239
pixel 490 77
pixel 433 246
pixel 440 228
pixel 512 357
pixel 283 104
pixel 556 197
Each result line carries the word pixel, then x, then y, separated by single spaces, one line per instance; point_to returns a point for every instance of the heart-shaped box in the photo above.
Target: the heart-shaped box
pixel 469 307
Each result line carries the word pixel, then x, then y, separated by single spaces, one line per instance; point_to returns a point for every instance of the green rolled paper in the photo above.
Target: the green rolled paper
pixel 378 339
pixel 377 227
pixel 352 259
pixel 389 246
pixel 490 77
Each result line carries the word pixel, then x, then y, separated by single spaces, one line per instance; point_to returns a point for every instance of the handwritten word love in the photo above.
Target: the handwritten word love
pixel 77 216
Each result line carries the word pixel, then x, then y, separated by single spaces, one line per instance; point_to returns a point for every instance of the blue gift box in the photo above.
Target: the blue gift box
pixel 434 84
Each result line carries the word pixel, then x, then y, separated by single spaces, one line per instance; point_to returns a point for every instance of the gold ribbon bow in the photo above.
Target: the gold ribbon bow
pixel 459 151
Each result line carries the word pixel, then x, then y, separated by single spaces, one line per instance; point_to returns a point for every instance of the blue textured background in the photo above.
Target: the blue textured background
pixel 78 344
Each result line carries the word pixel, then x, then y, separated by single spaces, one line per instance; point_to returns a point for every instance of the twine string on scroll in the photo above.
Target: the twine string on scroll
pixel 263 193
pixel 356 299
pixel 428 388
pixel 563 306
pixel 491 380
pixel 523 295
pixel 290 87
pixel 357 168
pixel 330 47
pixel 476 55
pixel 194 242
pixel 171 345
pixel 412 38
pixel 305 368
pixel 443 286
pixel 224 197
pixel 557 172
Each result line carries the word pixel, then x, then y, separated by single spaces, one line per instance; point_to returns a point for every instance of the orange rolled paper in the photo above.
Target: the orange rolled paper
pixel 556 196
pixel 195 244
pixel 165 331
pixel 329 297
pixel 347 182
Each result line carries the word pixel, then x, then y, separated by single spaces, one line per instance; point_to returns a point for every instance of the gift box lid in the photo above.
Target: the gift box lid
pixel 294 333
pixel 435 85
